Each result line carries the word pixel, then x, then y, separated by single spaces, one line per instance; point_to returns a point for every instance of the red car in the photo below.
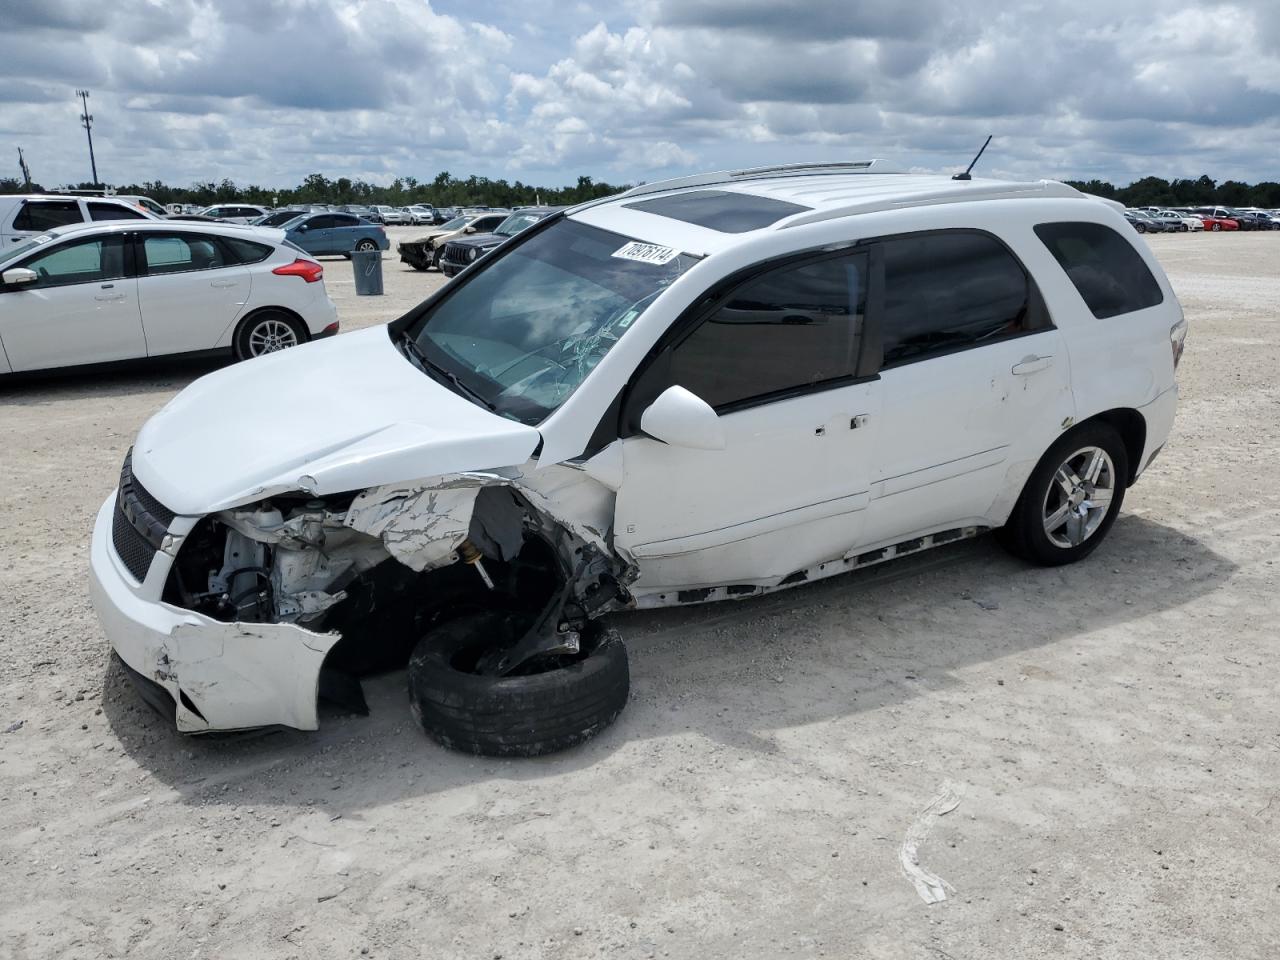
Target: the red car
pixel 1218 223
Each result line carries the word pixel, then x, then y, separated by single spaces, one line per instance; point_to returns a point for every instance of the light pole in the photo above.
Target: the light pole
pixel 86 119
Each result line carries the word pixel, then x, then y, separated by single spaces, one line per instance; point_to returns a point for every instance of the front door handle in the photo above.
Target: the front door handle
pixel 1031 365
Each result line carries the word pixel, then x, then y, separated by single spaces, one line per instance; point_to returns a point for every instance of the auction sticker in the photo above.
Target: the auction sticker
pixel 646 253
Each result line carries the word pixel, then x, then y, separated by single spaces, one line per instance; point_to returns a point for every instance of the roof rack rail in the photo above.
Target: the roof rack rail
pixel 751 173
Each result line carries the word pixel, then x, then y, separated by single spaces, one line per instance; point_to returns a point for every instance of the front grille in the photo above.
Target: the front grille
pixel 139 524
pixel 134 549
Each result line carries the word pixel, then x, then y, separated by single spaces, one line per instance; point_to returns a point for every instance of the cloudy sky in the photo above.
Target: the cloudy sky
pixel 267 91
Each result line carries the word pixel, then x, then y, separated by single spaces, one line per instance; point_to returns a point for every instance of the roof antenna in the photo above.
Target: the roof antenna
pixel 965 175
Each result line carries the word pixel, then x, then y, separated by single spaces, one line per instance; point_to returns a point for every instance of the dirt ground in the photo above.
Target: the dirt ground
pixel 1111 730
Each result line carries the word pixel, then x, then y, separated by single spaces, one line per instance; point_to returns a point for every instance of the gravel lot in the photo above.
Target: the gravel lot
pixel 1111 731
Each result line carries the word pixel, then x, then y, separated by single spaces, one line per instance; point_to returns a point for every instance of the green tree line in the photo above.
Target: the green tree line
pixel 444 191
pixel 1154 191
pixel 449 191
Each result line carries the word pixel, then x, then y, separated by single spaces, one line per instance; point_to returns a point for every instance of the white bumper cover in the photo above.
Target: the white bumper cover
pixel 234 675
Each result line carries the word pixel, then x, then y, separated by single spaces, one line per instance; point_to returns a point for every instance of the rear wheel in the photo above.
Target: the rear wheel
pixel 1071 498
pixel 268 331
pixel 366 245
pixel 1216 227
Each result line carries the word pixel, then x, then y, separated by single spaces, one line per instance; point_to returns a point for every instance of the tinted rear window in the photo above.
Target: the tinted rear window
pixel 246 251
pixel 720 209
pixel 1105 268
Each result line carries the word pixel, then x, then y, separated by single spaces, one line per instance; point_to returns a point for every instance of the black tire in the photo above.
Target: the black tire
pixel 1216 227
pixel 366 244
pixel 523 715
pixel 421 267
pixel 1140 227
pixel 1024 534
pixel 243 341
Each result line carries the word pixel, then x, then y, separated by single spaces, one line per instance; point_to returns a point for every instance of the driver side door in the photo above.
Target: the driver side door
pixel 778 359
pixel 82 308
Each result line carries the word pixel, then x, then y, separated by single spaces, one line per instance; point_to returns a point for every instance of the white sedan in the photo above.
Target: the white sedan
pixel 97 293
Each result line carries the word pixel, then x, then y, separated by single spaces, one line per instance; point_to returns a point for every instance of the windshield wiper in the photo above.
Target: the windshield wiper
pixel 427 365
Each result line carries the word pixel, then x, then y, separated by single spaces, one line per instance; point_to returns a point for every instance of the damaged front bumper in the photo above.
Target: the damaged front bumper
pixel 220 676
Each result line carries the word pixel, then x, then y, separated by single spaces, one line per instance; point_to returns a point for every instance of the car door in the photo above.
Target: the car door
pixel 36 216
pixel 777 358
pixel 315 235
pixel 976 382
pixel 344 233
pixel 191 289
pixel 82 308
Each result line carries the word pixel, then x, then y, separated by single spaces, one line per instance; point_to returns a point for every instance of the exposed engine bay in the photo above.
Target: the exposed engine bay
pixel 382 566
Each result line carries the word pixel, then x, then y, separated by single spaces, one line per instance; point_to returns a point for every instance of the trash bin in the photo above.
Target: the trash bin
pixel 367 265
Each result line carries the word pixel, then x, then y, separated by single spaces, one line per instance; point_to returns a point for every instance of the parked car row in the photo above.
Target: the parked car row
pixel 1189 219
pixel 461 252
pixel 426 251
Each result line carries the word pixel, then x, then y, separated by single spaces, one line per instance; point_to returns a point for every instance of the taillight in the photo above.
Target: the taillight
pixel 1178 340
pixel 308 270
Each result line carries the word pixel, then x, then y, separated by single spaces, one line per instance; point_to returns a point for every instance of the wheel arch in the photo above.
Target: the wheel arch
pixel 238 327
pixel 1132 427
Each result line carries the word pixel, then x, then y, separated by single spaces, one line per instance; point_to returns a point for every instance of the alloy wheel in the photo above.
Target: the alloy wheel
pixel 1079 497
pixel 271 335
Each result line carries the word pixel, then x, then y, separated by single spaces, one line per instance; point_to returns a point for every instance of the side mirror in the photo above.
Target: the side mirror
pixel 19 275
pixel 683 419
pixel 304 227
pixel 469 230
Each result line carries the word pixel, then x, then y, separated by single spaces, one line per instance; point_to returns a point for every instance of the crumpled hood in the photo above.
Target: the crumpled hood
pixel 340 414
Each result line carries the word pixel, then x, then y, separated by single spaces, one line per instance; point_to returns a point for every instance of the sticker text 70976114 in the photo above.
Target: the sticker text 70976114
pixel 646 253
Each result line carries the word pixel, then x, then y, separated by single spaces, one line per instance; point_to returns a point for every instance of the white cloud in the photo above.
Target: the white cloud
pixel 267 91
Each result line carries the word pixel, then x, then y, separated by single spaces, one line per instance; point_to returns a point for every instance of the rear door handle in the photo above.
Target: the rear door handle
pixel 1031 365
pixel 108 296
pixel 223 283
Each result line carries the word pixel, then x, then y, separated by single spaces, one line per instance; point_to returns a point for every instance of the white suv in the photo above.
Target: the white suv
pixel 29 215
pixel 704 389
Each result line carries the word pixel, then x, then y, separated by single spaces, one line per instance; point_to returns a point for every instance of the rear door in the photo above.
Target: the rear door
pixel 346 231
pixel 976 382
pixel 191 288
pixel 82 309
pixel 33 217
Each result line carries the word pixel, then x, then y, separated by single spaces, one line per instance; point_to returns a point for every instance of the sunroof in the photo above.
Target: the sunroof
pixel 720 209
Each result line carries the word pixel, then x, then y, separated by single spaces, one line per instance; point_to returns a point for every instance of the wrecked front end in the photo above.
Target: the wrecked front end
pixel 247 616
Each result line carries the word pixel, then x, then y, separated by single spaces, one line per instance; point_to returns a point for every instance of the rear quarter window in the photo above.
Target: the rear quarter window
pixel 1108 272
pixel 246 251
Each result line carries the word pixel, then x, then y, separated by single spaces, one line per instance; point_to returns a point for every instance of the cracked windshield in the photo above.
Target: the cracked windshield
pixel 524 332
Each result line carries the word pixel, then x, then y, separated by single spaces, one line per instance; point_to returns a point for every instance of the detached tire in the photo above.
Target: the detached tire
pixel 524 715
